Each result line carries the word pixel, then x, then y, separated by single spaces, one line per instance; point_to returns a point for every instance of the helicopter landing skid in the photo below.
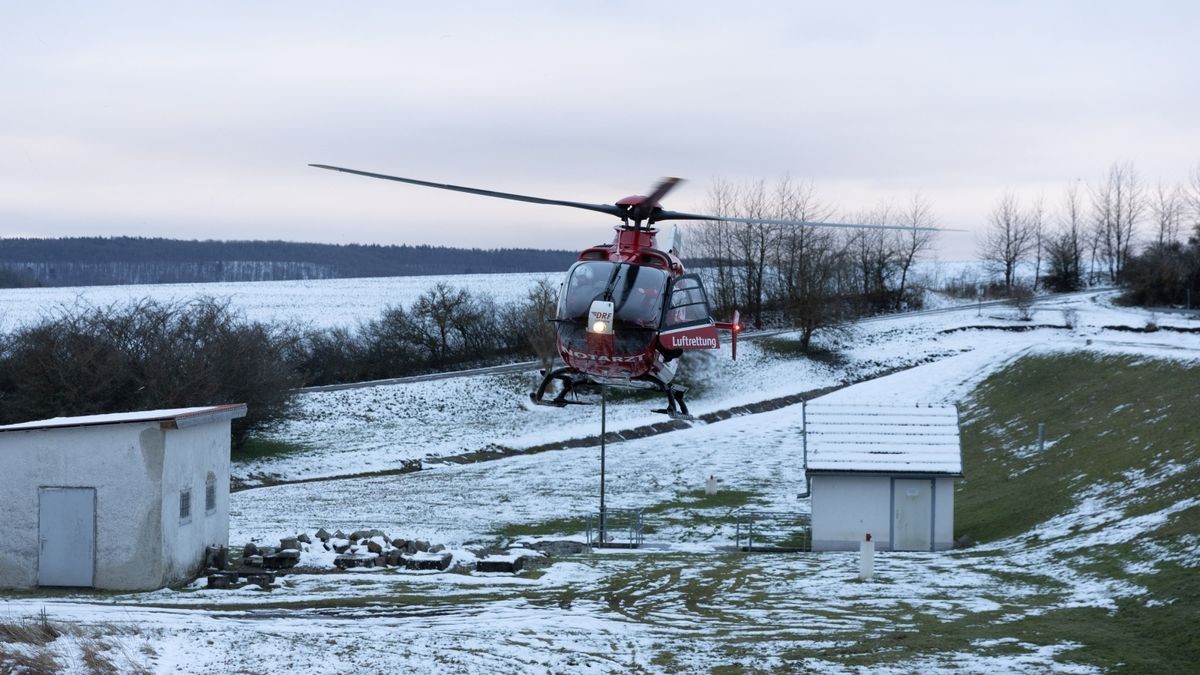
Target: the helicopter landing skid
pixel 676 409
pixel 554 403
pixel 563 375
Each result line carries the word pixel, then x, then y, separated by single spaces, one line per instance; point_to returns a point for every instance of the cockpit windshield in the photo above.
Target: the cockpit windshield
pixel 637 291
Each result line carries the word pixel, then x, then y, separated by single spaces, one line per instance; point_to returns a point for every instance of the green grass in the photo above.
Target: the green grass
pixel 697 499
pixel 264 448
pixel 687 509
pixel 1109 419
pixel 1104 416
pixel 544 528
pixel 790 347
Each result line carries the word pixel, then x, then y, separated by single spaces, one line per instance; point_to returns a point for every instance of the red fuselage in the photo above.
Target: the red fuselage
pixel 638 273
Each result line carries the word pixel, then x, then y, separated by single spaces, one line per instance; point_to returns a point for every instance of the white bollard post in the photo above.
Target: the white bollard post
pixel 866 558
pixel 710 486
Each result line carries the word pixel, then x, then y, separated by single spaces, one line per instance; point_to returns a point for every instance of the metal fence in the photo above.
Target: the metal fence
pixel 616 528
pixel 773 531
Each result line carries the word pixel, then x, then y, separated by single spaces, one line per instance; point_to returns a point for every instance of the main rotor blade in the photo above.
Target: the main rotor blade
pixel 661 191
pixel 676 215
pixel 610 209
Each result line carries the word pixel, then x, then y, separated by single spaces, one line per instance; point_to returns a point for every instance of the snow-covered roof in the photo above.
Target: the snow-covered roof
pixel 177 418
pixel 842 438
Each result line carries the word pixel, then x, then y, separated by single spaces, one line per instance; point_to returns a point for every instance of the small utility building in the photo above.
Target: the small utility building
pixel 125 501
pixel 884 470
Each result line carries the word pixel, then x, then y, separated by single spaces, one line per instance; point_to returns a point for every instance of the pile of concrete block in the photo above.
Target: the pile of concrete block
pixel 510 560
pixel 257 566
pixel 373 548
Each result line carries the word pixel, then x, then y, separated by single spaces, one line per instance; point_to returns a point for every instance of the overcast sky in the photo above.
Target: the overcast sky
pixel 196 120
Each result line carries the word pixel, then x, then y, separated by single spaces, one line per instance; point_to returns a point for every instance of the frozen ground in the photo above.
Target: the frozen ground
pixel 685 606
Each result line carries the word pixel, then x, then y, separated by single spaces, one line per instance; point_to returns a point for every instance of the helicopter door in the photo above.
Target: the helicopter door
pixel 687 320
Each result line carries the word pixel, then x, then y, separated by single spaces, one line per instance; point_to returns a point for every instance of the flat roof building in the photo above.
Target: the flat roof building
pixel 886 470
pixel 125 501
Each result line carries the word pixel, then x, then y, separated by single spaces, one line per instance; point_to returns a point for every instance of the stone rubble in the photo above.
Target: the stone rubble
pixel 261 564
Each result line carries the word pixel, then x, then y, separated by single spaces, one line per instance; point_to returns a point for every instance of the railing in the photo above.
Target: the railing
pixel 761 531
pixel 616 528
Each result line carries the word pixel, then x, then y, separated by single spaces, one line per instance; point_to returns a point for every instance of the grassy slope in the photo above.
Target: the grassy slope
pixel 1109 421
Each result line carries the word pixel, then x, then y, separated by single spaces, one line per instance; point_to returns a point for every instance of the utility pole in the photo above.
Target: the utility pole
pixel 603 418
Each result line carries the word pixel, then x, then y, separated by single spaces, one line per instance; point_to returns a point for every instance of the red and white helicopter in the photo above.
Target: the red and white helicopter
pixel 628 310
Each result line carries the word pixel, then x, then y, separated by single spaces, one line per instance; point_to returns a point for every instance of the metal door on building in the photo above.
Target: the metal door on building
pixel 66 536
pixel 912 514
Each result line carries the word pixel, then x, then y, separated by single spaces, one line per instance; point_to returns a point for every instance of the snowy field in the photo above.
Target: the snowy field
pixel 685 604
pixel 310 302
pixel 319 303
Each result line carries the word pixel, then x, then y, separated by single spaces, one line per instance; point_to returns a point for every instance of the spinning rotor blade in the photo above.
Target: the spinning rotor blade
pixel 661 191
pixel 602 208
pixel 635 208
pixel 676 215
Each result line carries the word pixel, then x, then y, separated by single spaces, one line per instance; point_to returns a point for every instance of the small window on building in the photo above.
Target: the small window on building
pixel 210 493
pixel 185 505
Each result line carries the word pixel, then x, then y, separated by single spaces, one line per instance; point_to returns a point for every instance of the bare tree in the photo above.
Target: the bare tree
pixel 436 312
pixel 753 248
pixel 1193 200
pixel 1008 240
pixel 714 243
pixel 1035 220
pixel 1168 208
pixel 1065 247
pixel 1118 203
pixel 873 257
pixel 911 244
pixel 807 262
pixel 795 201
pixel 538 312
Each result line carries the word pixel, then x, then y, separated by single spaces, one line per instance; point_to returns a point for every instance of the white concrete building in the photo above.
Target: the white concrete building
pixel 884 470
pixel 125 501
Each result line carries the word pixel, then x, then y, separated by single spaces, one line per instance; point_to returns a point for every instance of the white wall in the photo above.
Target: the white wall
pixel 191 454
pixel 123 470
pixel 844 508
pixel 137 470
pixel 943 514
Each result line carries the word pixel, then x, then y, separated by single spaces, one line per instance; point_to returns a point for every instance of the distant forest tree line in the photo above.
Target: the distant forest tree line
pixel 98 261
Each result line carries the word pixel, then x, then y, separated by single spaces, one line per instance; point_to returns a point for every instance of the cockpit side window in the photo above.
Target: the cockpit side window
pixel 689 304
pixel 585 283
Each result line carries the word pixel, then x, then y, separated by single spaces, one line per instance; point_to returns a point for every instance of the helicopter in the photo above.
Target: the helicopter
pixel 627 311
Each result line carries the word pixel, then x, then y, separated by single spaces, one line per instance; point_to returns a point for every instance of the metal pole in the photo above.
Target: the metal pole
pixel 603 418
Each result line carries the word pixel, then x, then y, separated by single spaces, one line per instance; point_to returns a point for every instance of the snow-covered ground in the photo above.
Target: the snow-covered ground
pixel 302 302
pixel 684 606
